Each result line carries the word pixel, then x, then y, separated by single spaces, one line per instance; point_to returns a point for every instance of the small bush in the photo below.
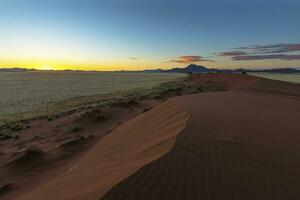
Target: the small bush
pixel 76 129
pixel 29 154
pixel 100 116
pixel 16 127
pixel 147 109
pixel 79 140
pixel 50 118
pixel 53 117
pixel 5 137
pixel 5 188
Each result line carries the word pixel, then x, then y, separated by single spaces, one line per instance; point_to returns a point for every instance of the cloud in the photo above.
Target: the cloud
pixel 275 48
pixel 263 52
pixel 231 53
pixel 189 59
pixel 266 57
pixel 133 58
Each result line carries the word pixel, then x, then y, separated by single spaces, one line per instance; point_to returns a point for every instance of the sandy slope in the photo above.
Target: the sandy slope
pixel 241 144
pixel 117 155
pixel 225 81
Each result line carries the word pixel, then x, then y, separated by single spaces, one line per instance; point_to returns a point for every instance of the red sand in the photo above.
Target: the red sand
pixel 236 145
pixel 239 144
pixel 117 155
pixel 226 81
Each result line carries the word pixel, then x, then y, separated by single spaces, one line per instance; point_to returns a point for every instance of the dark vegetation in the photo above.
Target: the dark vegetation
pixel 147 109
pixel 29 155
pixel 76 129
pixel 16 127
pixel 93 105
pixel 5 137
pixel 5 188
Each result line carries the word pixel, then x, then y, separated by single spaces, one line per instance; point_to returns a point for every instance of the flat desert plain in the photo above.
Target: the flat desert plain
pixel 26 95
pixel 294 78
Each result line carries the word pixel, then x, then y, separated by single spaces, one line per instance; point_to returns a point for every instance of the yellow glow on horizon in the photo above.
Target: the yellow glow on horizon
pixel 45 67
pixel 141 64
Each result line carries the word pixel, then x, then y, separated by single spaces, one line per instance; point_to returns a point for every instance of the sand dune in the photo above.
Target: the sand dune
pixel 238 144
pixel 117 155
pixel 225 81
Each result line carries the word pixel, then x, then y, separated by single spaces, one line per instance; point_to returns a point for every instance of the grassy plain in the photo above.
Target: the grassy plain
pixel 294 78
pixel 26 95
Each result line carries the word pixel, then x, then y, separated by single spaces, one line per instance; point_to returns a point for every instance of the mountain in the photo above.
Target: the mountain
pixel 191 68
pixel 16 69
pixel 201 69
pixel 13 69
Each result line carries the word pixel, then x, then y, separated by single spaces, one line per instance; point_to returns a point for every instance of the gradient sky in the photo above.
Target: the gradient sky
pixel 139 34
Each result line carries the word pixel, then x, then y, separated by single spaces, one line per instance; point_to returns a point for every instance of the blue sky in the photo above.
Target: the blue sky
pixel 137 34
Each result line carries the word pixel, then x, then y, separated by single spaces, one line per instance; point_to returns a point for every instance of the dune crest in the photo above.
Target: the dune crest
pixel 118 155
pixel 238 144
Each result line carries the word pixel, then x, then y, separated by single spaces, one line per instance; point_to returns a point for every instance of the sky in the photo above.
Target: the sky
pixel 142 34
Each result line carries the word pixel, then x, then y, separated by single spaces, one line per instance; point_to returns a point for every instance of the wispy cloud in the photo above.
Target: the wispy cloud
pixel 263 52
pixel 133 58
pixel 231 53
pixel 266 57
pixel 189 59
pixel 275 48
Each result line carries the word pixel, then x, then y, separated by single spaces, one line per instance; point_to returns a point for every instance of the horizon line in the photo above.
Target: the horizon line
pixel 82 70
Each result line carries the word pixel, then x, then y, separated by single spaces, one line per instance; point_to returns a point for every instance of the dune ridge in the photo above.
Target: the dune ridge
pixel 239 144
pixel 242 143
pixel 117 155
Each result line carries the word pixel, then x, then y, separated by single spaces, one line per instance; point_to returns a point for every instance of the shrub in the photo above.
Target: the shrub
pixel 5 188
pixel 16 127
pixel 76 129
pixel 5 137
pixel 100 116
pixel 29 154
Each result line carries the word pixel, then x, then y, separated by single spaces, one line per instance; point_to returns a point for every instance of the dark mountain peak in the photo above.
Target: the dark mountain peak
pixel 195 67
pixel 15 69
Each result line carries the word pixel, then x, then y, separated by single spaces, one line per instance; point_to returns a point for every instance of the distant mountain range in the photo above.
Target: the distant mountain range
pixel 192 68
pixel 201 69
pixel 16 69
